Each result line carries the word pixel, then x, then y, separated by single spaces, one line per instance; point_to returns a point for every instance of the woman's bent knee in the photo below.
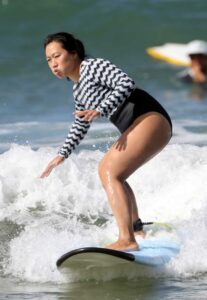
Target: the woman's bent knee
pixel 106 174
pixel 102 173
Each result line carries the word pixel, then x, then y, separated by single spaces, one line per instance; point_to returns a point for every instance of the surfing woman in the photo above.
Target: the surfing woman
pixel 101 89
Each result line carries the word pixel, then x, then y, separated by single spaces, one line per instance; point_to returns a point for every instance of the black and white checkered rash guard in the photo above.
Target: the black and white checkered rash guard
pixel 102 87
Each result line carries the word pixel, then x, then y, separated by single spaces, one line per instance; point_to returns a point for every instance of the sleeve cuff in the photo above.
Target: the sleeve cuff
pixel 98 109
pixel 65 155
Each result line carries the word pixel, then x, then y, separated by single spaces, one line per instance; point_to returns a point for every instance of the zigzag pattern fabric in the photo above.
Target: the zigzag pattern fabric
pixel 102 87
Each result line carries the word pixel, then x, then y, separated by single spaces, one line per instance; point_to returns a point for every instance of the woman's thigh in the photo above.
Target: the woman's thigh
pixel 147 136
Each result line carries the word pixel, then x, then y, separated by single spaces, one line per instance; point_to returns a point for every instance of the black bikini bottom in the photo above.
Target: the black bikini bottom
pixel 138 103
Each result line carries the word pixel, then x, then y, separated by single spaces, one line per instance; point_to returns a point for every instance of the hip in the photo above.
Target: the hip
pixel 137 104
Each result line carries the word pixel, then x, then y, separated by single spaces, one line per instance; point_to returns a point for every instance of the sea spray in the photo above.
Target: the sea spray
pixel 69 209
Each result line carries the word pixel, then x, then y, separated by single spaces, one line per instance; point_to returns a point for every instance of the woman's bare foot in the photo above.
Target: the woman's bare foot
pixel 123 245
pixel 140 233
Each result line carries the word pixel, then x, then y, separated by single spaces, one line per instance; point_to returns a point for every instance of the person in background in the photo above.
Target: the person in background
pixel 197 72
pixel 101 89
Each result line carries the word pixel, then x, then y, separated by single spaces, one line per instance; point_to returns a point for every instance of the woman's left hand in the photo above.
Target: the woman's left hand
pixel 87 115
pixel 54 163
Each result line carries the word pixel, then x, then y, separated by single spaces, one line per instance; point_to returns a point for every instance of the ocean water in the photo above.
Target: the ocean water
pixel 42 219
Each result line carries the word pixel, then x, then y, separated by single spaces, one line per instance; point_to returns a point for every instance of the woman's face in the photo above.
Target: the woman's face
pixel 61 62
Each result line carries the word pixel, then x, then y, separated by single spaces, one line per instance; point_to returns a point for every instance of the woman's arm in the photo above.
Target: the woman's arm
pixel 76 134
pixel 54 163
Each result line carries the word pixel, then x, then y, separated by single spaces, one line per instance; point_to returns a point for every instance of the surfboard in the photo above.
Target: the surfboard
pixel 171 53
pixel 151 252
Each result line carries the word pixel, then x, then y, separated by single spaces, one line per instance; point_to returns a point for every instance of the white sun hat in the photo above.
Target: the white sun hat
pixel 196 47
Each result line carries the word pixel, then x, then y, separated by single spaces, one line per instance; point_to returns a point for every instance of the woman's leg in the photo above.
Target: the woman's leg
pixel 147 136
pixel 135 213
pixel 131 196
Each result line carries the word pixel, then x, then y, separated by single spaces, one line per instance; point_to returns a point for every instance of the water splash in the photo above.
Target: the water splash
pixel 42 219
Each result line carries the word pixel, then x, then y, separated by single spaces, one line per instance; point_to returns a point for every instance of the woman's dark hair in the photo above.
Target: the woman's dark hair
pixel 68 42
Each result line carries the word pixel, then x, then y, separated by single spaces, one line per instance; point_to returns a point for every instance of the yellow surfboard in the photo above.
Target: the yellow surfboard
pixel 171 53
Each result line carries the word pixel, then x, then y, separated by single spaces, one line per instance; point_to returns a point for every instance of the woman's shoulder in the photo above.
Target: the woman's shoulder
pixel 92 64
pixel 94 61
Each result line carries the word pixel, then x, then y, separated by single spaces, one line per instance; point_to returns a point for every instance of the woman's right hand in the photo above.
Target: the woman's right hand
pixel 54 163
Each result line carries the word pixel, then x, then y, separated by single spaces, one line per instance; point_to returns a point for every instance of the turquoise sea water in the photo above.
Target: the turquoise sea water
pixel 40 220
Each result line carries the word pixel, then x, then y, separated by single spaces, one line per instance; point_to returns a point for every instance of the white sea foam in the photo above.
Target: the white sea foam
pixel 69 209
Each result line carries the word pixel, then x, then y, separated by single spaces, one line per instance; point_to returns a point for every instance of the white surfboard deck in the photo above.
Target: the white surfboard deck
pixel 152 252
pixel 171 53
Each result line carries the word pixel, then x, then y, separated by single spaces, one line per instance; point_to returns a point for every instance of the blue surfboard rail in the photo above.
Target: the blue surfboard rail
pixel 156 252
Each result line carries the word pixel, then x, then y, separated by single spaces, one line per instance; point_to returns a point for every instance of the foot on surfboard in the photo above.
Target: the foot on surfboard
pixel 140 233
pixel 123 246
